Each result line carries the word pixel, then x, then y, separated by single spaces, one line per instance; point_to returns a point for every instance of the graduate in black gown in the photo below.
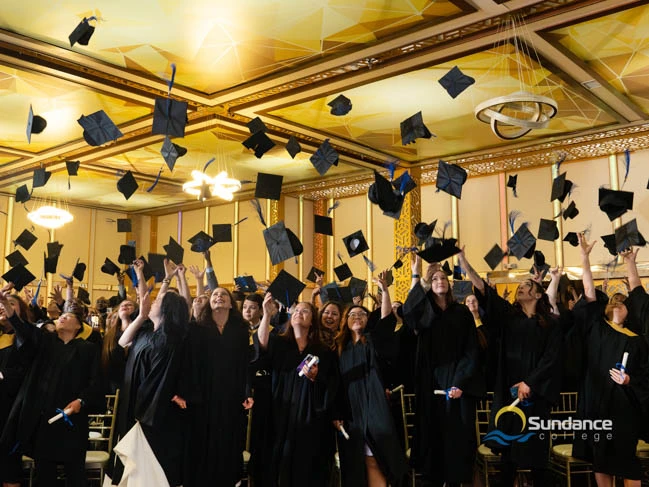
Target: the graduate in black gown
pixel 444 442
pixel 303 434
pixel 113 357
pixel 609 391
pixel 528 368
pixel 64 375
pixel 218 403
pixel 372 456
pixel 153 376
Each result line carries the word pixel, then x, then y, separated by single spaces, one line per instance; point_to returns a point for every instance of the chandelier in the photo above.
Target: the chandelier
pixel 49 216
pixel 514 115
pixel 203 186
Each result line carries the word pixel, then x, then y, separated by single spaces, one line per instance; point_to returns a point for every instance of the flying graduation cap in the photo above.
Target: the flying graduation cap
pixel 548 230
pixel 627 236
pixel 201 242
pixel 382 193
pixel 494 257
pixel 413 128
pixel 35 124
pixel 169 117
pixel 341 105
pixel 99 129
pixel 19 276
pixel 355 243
pixel 282 243
pixel 286 288
pixel 615 203
pixel 450 178
pixel 222 232
pixel 439 250
pixel 512 181
pixel 570 212
pixel 256 125
pixel 109 267
pixel 343 272
pixel 424 231
pixel 16 258
pixel 171 152
pixel 22 194
pixel 260 143
pixel 313 274
pixel 246 284
pixel 293 147
pixel 323 225
pixel 82 32
pixel 325 157
pixel 126 254
pixel 127 185
pixel 26 239
pixel 72 168
pixel 561 188
pixel 522 244
pixel 40 178
pixel 268 186
pixel 572 239
pixel 455 82
pixel 174 251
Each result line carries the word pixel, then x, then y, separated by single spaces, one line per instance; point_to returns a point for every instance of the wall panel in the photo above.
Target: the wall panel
pixel 349 217
pixel 252 249
pixel 223 252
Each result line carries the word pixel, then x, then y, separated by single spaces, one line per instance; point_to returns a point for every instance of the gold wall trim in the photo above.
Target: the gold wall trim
pixel 319 240
pixel 235 241
pixel 404 237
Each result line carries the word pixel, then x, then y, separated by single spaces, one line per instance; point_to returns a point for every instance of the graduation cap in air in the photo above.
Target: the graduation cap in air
pixel 124 225
pixel 170 152
pixel 615 203
pixel 16 258
pixel 19 276
pixel 72 167
pixel 355 243
pixel 82 32
pixel 147 270
pixel 293 147
pixel 413 128
pixel 560 188
pixel 54 248
pixel 311 276
pixel 26 239
pixel 126 254
pixel 548 230
pixel 109 267
pixel 450 178
pixel 222 232
pixel 323 225
pixel 174 251
pixel 35 124
pixel 98 128
pixel 325 157
pixel 572 239
pixel 404 183
pixel 157 265
pixel 268 186
pixel 41 177
pixel 455 82
pixel 494 256
pixel 169 117
pixel 22 194
pixel 343 272
pixel 286 288
pixel 246 284
pixel 539 264
pixel 260 143
pixel 357 286
pixel 341 105
pixel 609 243
pixel 79 270
pixel 383 194
pixel 447 269
pixel 462 289
pixel 201 242
pixel 424 231
pixel 282 243
pixel 334 292
pixel 512 181
pixel 628 235
pixel 127 185
pixel 571 211
pixel 50 263
pixel 522 244
pixel 83 295
pixel 256 125
pixel 439 250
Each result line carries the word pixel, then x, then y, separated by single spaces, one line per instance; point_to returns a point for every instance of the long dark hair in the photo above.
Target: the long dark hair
pixel 313 336
pixel 543 307
pixel 23 309
pixel 174 316
pixel 345 334
pixel 448 297
pixel 205 318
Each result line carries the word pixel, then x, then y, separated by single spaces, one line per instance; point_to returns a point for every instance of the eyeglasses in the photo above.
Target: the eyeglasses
pixel 359 314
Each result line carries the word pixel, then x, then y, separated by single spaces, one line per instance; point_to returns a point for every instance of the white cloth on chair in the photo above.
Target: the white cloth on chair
pixel 141 467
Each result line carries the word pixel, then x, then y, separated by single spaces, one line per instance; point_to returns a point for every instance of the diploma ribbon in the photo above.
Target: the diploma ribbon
pixel 524 402
pixel 445 392
pixel 61 414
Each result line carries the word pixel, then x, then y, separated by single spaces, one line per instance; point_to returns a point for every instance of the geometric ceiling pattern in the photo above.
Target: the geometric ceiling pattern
pixel 284 61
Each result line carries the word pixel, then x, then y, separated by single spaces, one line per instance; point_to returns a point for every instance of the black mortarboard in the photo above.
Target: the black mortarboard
pixel 571 211
pixel 560 188
pixel 450 178
pixel 98 128
pixel 72 167
pixel 457 272
pixel 286 288
pixel 439 250
pixel 124 225
pixel 222 232
pixel 615 203
pixel 447 269
pixel 548 230
pixel 413 128
pixel 343 272
pixel 334 292
pixel 22 194
pixel 174 251
pixel 127 185
pixel 572 239
pixel 357 286
pixel 157 264
pixel 424 231
pixel 512 181
pixel 494 257
pixel 83 295
pixel 355 243
pixel 26 239
pixel 170 152
pixel 609 243
pixel 268 186
pixel 169 117
pixel 256 125
pixel 35 124
pixel 522 243
pixel 79 270
pixel 293 147
pixel 40 178
pixel 201 242
pixel 398 264
pixel 282 243
pixel 16 258
pixel 246 284
pixel 260 143
pixel 628 235
pixel 341 105
pixel 126 254
pixel 323 225
pixel 82 32
pixel 50 264
pixel 455 82
pixel 147 270
pixel 325 157
pixel 54 248
pixel 311 276
pixel 109 267
pixel 20 276
pixel 383 194
pixel 539 263
pixel 461 289
pixel 408 185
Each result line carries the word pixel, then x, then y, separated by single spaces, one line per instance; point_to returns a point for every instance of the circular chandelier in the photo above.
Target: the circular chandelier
pixel 50 217
pixel 220 185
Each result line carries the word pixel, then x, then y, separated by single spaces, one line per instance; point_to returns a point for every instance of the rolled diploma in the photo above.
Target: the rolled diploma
pixel 440 392
pixel 53 419
pixel 341 428
pixel 309 364
pixel 515 402
pixel 625 358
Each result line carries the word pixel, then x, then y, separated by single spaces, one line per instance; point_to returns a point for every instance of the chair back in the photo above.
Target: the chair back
pixel 567 407
pixel 483 415
pixel 408 417
pixel 102 426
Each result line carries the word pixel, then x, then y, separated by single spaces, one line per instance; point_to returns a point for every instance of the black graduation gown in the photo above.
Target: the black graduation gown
pixel 529 351
pixel 59 373
pixel 303 439
pixel 216 436
pixel 13 372
pixel 371 421
pixel 444 441
pixel 601 398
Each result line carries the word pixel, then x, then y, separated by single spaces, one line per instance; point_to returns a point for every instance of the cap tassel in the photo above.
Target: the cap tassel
pixel 370 264
pixel 155 183
pixel 513 215
pixel 562 157
pixel 404 181
pixel 340 257
pixel 260 213
pixel 627 165
pixel 38 290
pixel 391 168
pixel 207 164
pixel 333 207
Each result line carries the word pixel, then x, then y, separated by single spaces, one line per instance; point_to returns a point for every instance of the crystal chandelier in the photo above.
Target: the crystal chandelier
pixel 50 216
pixel 220 185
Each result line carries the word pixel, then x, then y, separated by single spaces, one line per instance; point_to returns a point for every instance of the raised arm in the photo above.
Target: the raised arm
pixel 212 282
pixel 316 295
pixel 629 256
pixel 183 288
pixel 587 277
pixel 473 276
pixel 263 331
pixel 198 274
pixel 415 267
pixel 386 302
pixel 145 306
pixel 553 288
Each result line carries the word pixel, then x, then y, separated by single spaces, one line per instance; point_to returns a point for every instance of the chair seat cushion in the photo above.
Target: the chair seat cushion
pixel 96 458
pixel 485 452
pixel 643 448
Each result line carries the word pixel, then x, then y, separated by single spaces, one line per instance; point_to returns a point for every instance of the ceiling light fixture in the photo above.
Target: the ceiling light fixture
pixel 50 216
pixel 515 115
pixel 220 185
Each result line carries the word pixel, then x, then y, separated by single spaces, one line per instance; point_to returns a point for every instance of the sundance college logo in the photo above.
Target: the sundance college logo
pixel 584 429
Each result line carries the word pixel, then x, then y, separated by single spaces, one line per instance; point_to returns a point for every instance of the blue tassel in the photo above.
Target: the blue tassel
pixel 155 183
pixel 207 164
pixel 446 225
pixel 627 164
pixel 404 181
pixel 333 207
pixel 170 83
pixel 562 157
pixel 260 213
pixel 512 219
pixel 391 168
pixel 38 290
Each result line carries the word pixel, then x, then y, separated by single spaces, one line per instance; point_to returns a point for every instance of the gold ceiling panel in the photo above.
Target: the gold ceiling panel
pixel 379 107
